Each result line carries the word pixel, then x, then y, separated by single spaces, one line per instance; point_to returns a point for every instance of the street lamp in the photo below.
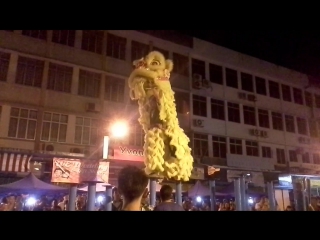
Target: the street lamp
pixel 118 129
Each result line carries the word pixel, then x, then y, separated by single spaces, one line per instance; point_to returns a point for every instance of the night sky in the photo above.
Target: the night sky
pixel 298 50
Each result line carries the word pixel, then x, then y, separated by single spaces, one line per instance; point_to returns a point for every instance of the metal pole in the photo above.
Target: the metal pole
pixel 271 197
pixel 213 203
pixel 244 199
pixel 72 197
pixel 179 193
pixel 91 196
pixel 108 203
pixel 237 194
pixel 153 191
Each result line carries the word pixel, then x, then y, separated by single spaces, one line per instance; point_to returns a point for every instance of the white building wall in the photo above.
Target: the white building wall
pixel 12 94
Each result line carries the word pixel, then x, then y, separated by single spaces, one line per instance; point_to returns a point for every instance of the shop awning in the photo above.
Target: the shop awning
pixel 14 162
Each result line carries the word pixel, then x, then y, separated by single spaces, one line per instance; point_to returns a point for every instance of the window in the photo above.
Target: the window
pixel 181 64
pixel 277 123
pixel 4 65
pixel 217 109
pixel 116 47
pixel 182 102
pixel 23 123
pixel 29 72
pixel 216 75
pixel 200 145
pixel 136 136
pixel 266 152
pixel 261 86
pixel 263 118
pixel 317 100
pixel 308 99
pixel 252 148
pixel 281 156
pixel 274 90
pixel 199 105
pixel 114 89
pixel 231 78
pixel 289 123
pixel 65 37
pixel 235 146
pixel 313 130
pixel 198 67
pixel 60 78
pixel 219 145
pixel 54 127
pixel 40 34
pixel 138 50
pixel 164 52
pixel 89 84
pixel 234 112
pixel 249 115
pixel 302 126
pixel 306 157
pixel 247 82
pixel 86 131
pixel 92 41
pixel 286 93
pixel 293 156
pixel 297 96
pixel 316 158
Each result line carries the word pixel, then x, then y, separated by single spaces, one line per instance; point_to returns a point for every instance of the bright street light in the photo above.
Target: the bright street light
pixel 31 201
pixel 119 129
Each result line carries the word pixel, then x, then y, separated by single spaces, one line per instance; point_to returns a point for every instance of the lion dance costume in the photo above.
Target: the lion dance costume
pixel 166 148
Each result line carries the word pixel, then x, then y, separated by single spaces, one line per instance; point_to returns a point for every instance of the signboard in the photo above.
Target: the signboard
pixel 249 163
pixel 197 173
pixel 314 183
pixel 67 170
pixel 285 180
pixel 128 153
pixel 308 169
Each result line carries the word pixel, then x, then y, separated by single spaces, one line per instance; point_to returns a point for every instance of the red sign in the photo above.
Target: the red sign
pixel 128 153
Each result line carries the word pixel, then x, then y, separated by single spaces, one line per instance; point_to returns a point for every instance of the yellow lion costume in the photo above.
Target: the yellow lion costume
pixel 166 146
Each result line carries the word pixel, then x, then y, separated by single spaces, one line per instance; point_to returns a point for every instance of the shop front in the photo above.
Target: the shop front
pixel 17 163
pixel 299 185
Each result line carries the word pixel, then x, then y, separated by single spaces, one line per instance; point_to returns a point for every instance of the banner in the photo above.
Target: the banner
pixel 66 170
pixel 128 153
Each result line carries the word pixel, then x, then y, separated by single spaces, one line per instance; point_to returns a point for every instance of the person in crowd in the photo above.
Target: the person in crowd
pixel 81 203
pixel 232 206
pixel 166 200
pixel 63 203
pixel 222 207
pixel 145 205
pixel 19 203
pixel 55 206
pixel 11 202
pixel 41 205
pixel 288 209
pixel 116 200
pixel 262 205
pixel 187 205
pixel 132 184
pixel 4 204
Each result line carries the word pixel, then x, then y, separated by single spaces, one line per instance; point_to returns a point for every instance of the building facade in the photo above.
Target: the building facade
pixel 61 89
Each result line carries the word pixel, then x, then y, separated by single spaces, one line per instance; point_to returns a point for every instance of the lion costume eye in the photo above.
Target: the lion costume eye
pixel 155 63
